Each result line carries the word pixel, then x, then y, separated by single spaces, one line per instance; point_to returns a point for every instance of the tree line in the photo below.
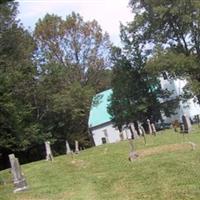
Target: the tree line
pixel 49 76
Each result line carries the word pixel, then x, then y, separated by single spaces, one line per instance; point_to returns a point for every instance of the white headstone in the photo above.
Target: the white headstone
pixel 134 130
pixel 18 178
pixel 153 128
pixel 49 155
pixel 149 126
pixel 76 147
pixel 68 150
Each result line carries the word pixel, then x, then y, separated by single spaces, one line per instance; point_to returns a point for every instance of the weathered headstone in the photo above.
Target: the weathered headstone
pixel 153 128
pixel 76 147
pixel 149 126
pixel 18 178
pixel 49 155
pixel 198 119
pixel 133 130
pixel 186 123
pixel 68 150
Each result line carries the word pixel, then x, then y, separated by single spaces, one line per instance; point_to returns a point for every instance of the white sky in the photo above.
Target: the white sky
pixel 108 13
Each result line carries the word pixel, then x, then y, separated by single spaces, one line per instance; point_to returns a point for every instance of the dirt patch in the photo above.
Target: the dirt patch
pixel 79 163
pixel 164 148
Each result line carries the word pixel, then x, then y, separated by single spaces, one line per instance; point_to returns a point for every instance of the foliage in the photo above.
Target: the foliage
pixel 73 60
pixel 18 129
pixel 48 80
pixel 173 25
pixel 79 47
pixel 137 94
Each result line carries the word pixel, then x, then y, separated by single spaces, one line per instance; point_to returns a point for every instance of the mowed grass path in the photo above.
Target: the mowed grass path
pixel 166 169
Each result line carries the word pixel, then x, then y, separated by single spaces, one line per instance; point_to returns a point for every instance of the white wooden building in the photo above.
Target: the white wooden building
pixel 103 130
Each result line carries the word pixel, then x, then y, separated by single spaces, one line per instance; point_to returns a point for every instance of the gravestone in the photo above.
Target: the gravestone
pixel 141 128
pixel 133 130
pixel 49 155
pixel 68 150
pixel 76 147
pixel 132 155
pixel 149 126
pixel 153 128
pixel 198 119
pixel 18 178
pixel 186 123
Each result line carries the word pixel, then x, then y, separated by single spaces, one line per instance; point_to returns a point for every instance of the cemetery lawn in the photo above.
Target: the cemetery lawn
pixel 167 168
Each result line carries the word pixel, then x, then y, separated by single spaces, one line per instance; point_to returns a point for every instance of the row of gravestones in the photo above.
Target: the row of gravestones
pixel 19 180
pixel 140 130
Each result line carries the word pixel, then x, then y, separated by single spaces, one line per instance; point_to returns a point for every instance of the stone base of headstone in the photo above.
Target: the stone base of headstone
pixel 20 185
pixel 132 156
pixel 193 145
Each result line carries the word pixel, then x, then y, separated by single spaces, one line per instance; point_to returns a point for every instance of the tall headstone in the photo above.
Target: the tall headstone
pixel 49 155
pixel 133 130
pixel 18 178
pixel 76 147
pixel 68 149
pixel 149 126
pixel 153 128
pixel 186 123
pixel 198 119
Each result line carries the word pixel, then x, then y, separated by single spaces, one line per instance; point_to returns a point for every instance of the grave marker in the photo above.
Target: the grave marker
pixel 18 178
pixel 186 123
pixel 68 150
pixel 76 147
pixel 49 155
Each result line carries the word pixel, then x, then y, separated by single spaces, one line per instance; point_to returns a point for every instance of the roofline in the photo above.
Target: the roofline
pixel 100 125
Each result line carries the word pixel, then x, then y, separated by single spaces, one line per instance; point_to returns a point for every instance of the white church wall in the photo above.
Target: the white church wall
pixel 107 131
pixel 189 107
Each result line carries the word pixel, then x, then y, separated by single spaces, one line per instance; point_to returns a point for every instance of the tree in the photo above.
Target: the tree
pixel 73 62
pixel 136 94
pixel 175 26
pixel 18 129
pixel 81 48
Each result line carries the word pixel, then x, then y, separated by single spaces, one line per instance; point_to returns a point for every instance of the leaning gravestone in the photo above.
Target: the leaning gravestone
pixel 153 128
pixel 133 130
pixel 186 123
pixel 18 178
pixel 76 147
pixel 68 150
pixel 49 155
pixel 149 126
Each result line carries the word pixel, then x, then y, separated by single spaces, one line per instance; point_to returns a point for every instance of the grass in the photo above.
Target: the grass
pixel 167 168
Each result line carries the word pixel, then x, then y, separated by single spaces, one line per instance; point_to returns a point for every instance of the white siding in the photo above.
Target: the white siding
pixel 99 133
pixel 189 107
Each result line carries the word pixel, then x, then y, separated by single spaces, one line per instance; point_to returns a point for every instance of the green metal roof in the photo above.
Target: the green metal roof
pixel 98 112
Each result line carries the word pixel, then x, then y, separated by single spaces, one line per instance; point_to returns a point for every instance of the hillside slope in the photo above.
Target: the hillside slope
pixel 167 168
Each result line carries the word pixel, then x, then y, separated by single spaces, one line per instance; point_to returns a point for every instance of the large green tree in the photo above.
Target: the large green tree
pixel 174 26
pixel 137 95
pixel 18 128
pixel 74 63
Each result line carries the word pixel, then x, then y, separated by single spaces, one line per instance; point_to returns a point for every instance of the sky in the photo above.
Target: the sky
pixel 108 13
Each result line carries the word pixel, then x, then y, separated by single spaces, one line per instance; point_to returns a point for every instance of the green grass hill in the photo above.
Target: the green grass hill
pixel 167 169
